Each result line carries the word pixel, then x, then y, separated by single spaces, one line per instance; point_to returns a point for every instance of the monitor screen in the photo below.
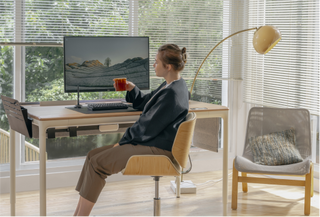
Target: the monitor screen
pixel 93 62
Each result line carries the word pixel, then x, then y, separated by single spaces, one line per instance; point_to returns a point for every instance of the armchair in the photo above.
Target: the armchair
pixel 265 121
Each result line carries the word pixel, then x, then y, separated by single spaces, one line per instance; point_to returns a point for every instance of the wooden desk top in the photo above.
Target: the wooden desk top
pixel 47 113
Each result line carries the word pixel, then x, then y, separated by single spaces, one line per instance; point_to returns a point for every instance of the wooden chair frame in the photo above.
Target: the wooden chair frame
pixel 307 183
pixel 160 165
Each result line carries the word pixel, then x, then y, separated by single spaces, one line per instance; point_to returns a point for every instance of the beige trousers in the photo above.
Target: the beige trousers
pixel 105 161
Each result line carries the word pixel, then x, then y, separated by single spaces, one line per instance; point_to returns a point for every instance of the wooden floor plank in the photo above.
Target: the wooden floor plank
pixel 135 198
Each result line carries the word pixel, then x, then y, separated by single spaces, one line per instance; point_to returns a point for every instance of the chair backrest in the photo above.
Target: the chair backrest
pixel 262 121
pixel 183 139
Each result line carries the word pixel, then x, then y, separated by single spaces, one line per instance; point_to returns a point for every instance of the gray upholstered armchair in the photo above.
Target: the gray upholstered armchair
pixel 278 142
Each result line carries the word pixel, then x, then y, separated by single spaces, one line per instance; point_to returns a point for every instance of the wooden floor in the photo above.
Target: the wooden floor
pixel 135 198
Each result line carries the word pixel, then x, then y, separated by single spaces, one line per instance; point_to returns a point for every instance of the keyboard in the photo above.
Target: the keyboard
pixel 106 106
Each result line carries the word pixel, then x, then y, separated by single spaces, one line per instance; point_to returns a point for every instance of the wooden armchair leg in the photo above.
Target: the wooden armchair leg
pixel 307 194
pixel 244 184
pixel 234 200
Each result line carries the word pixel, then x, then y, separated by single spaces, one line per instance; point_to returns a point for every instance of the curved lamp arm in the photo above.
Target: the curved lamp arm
pixel 194 80
pixel 263 42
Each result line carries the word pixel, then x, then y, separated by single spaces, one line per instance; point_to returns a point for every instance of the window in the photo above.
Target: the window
pixel 42 67
pixel 194 24
pixel 197 25
pixel 6 88
pixel 44 82
pixel 287 76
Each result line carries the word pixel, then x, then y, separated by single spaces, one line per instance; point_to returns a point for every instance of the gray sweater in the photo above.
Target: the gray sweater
pixel 163 111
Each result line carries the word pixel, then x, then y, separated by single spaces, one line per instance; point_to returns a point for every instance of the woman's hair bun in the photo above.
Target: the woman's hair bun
pixel 184 54
pixel 172 54
pixel 184 50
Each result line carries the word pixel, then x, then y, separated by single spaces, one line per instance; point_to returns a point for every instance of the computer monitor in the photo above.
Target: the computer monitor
pixel 91 63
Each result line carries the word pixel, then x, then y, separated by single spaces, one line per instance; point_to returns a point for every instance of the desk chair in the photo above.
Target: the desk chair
pixel 265 122
pixel 160 165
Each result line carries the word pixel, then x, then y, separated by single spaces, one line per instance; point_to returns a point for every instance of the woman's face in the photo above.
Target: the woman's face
pixel 160 69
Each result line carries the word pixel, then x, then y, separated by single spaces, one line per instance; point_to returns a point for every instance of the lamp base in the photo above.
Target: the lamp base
pixel 186 187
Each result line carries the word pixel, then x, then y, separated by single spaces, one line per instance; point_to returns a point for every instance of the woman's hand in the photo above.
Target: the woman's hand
pixel 115 145
pixel 130 86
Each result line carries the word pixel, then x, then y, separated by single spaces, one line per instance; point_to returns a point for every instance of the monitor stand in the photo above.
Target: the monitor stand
pixel 78 104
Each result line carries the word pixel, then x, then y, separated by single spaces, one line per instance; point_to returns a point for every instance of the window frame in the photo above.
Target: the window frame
pixel 28 168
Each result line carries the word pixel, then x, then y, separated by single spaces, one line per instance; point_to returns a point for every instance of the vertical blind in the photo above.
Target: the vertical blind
pixel 287 76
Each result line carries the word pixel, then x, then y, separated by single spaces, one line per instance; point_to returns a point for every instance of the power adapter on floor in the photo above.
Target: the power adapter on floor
pixel 186 187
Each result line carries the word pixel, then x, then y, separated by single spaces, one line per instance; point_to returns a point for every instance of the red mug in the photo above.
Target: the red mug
pixel 120 84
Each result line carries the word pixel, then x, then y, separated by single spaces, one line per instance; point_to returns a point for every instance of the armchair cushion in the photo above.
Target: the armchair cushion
pixel 245 165
pixel 276 148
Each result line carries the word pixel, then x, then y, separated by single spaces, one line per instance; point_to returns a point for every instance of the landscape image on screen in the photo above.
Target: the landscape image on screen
pixel 93 62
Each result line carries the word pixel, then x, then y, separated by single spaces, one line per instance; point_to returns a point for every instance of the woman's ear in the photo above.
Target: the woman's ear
pixel 169 67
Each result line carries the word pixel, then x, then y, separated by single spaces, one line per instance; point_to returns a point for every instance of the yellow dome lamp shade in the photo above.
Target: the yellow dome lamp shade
pixel 265 38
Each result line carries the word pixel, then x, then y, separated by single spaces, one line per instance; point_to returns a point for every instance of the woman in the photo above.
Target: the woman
pixel 153 134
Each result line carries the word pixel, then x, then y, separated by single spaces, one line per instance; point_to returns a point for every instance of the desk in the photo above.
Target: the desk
pixel 59 117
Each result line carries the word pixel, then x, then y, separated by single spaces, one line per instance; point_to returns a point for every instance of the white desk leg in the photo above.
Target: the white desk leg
pixel 225 164
pixel 42 146
pixel 13 172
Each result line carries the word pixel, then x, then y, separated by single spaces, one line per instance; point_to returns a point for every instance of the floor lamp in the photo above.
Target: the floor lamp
pixel 264 39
